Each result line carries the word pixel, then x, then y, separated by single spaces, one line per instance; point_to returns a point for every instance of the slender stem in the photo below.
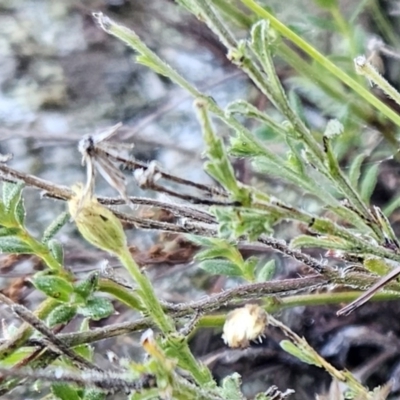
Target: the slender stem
pixel 124 295
pixel 325 62
pixel 146 293
pixel 153 307
pixel 363 67
pixel 25 331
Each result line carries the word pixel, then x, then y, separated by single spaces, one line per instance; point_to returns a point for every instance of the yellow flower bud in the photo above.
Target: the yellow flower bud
pixel 243 325
pixel 96 223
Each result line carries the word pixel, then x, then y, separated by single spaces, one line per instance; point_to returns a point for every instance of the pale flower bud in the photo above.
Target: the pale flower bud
pixel 97 224
pixel 243 325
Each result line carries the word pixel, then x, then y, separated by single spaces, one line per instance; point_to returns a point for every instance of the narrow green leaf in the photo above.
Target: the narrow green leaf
pixel 248 268
pixel 297 352
pixel 11 194
pixel 368 183
pixel 19 212
pixel 56 250
pixel 85 351
pixel 62 314
pixel 97 308
pixel 54 286
pixel 8 231
pixel 214 253
pixel 221 267
pixel 266 272
pixel 86 287
pixel 55 226
pixel 147 62
pixel 16 357
pixel 355 170
pixel 201 240
pixel 297 105
pixel 14 245
pixel 64 391
pixel 326 242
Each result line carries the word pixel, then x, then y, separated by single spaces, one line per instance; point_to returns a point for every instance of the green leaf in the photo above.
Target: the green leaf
pixel 156 67
pixel 248 268
pixel 20 212
pixel 64 391
pixel 299 353
pixel 241 146
pixel 326 242
pixel 13 202
pixel 56 250
pixel 368 182
pixel 9 231
pixel 221 267
pixel 86 287
pixel 14 245
pixel 297 105
pixel 377 266
pixel 93 394
pixel 230 388
pixel 54 286
pixel 201 240
pixel 16 357
pixel 266 272
pixel 11 194
pixel 55 226
pixel 85 351
pixel 62 314
pixel 355 170
pixel 97 308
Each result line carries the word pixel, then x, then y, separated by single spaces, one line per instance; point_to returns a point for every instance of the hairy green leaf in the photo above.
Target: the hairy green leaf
pixel 56 250
pixel 266 272
pixel 97 308
pixel 299 353
pixel 55 226
pixel 368 182
pixel 14 245
pixel 64 391
pixel 62 314
pixel 54 286
pixel 221 267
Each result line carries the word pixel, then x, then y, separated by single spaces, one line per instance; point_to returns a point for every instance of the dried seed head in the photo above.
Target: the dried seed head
pixel 99 154
pixel 243 325
pixel 97 224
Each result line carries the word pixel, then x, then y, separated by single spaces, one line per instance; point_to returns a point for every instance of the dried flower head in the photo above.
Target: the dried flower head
pixel 243 325
pixel 101 155
pixel 97 224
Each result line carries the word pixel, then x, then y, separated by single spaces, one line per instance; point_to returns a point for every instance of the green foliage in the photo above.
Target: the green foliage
pixel 53 286
pixel 300 181
pixel 86 287
pixel 62 314
pixel 55 226
pixel 63 391
pixel 266 272
pixel 97 308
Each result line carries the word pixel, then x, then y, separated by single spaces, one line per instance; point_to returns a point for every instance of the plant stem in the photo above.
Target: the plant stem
pixel 25 331
pixel 121 293
pixel 153 307
pixel 319 58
